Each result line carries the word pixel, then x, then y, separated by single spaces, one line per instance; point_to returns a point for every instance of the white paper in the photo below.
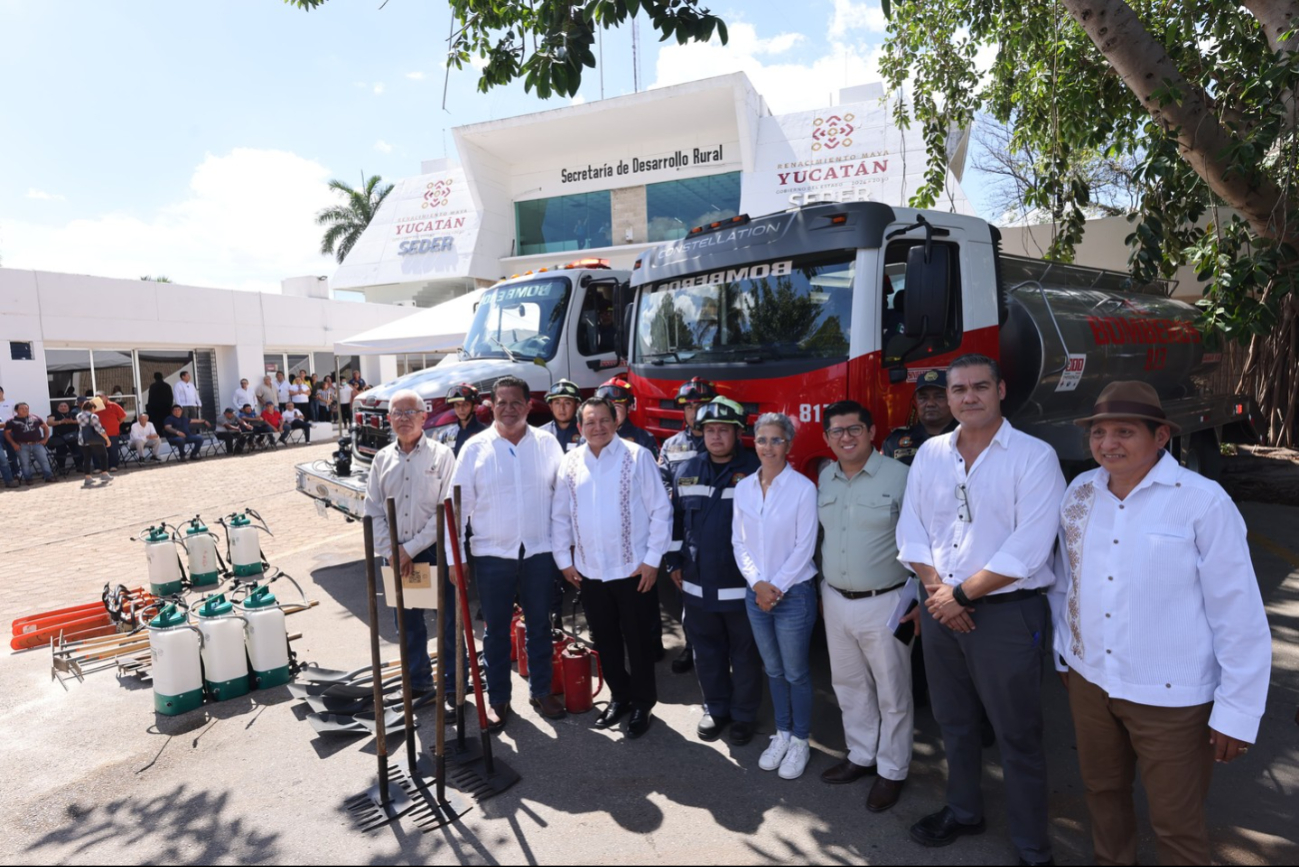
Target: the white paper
pixel 904 601
pixel 418 591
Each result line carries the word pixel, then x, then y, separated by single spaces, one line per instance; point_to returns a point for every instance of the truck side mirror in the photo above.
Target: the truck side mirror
pixel 928 291
pixel 623 342
pixel 622 306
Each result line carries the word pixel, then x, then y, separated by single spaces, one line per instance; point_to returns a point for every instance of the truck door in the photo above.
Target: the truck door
pixel 592 343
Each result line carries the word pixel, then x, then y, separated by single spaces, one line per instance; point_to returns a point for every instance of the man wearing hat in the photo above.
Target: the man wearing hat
pixel 618 392
pixel 563 398
pixel 933 417
pixel 463 399
pixel 1160 632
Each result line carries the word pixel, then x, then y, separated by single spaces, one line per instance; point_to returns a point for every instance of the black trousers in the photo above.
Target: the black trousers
pixel 727 661
pixel 625 625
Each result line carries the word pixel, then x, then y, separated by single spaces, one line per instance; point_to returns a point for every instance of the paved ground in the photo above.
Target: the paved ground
pixel 95 777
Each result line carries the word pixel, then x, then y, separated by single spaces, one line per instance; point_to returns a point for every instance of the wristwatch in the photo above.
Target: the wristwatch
pixel 959 595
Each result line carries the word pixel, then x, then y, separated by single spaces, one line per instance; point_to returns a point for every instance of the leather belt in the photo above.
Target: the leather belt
pixel 866 594
pixel 1012 596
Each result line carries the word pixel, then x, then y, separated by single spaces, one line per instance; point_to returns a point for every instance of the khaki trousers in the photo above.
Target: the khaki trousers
pixel 1171 746
pixel 871 673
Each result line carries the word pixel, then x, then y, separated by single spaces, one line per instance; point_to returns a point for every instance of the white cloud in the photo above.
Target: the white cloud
pixel 577 100
pixel 415 76
pixel 856 16
pixel 383 147
pixel 787 86
pixel 33 193
pixel 247 222
pixel 378 89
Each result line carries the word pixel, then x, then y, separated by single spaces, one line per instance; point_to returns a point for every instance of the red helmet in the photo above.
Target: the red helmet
pixel 697 390
pixel 463 391
pixel 616 390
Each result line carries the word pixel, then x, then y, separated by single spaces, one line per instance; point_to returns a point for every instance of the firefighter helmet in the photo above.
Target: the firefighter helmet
pixel 697 390
pixel 564 388
pixel 463 391
pixel 721 410
pixel 615 390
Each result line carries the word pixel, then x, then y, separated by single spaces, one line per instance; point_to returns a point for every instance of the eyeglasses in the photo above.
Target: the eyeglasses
pixel 404 413
pixel 964 512
pixel 853 430
pixel 771 441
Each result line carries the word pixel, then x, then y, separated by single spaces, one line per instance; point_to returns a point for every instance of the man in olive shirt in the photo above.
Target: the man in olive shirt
pixel 858 501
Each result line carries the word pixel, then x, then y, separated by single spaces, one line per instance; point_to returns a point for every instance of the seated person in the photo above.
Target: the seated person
pixel 293 420
pixel 145 437
pixel 63 435
pixel 181 430
pixel 272 419
pixel 254 421
pixel 233 432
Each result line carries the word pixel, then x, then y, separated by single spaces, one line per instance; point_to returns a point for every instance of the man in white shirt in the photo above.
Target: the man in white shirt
pixel 292 420
pixel 1160 631
pixel 416 472
pixel 145 437
pixel 186 396
pixel 611 525
pixel 977 526
pixel 282 389
pixel 506 476
pixel 245 395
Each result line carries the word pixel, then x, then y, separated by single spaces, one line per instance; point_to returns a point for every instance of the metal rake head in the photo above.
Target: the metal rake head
pixel 368 810
pixel 472 777
pixel 430 813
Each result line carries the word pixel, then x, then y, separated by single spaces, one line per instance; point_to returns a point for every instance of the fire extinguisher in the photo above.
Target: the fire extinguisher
pixel 576 661
pixel 520 643
pixel 561 642
pixel 515 625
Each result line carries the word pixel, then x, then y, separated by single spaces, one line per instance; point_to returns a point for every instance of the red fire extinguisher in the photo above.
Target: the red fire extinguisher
pixel 561 642
pixel 519 643
pixel 576 660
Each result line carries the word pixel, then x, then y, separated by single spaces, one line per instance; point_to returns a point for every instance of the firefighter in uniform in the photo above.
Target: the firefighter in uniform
pixel 619 393
pixel 463 398
pixel 933 417
pixel 677 449
pixel 727 661
pixel 563 399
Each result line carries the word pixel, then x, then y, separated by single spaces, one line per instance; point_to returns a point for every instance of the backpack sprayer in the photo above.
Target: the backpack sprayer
pixel 243 546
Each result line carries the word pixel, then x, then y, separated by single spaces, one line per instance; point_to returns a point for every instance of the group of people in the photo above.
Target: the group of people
pixel 1134 581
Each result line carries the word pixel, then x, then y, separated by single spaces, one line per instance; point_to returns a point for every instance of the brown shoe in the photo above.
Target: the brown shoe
pixel 846 772
pixel 550 706
pixel 884 794
pixel 497 716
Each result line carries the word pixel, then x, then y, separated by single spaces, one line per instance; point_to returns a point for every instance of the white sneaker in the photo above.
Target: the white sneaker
pixel 796 757
pixel 771 757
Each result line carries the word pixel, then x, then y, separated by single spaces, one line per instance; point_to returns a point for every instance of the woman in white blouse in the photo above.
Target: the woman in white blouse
pixel 300 394
pixel 774 537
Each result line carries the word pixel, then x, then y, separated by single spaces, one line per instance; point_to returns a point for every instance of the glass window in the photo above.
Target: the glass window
pixel 521 320
pixel 68 373
pixel 273 362
pixel 168 364
pixel 796 308
pixel 595 326
pixel 115 377
pixel 299 364
pixel 673 208
pixel 564 223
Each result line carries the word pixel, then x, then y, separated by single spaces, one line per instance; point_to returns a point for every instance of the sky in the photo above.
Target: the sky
pixel 196 139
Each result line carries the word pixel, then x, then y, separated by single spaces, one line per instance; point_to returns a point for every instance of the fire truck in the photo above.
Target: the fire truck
pixel 794 311
pixel 554 323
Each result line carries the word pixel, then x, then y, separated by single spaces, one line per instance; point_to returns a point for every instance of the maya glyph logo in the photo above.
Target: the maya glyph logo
pixel 437 194
pixel 833 131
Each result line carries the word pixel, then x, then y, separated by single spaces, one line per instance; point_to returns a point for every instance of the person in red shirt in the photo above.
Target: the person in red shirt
pixel 111 416
pixel 272 417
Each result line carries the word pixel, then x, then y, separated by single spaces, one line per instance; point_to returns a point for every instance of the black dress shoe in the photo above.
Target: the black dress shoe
pixel 942 829
pixel 638 724
pixel 615 711
pixel 710 727
pixel 741 732
pixel 685 662
pixel 845 772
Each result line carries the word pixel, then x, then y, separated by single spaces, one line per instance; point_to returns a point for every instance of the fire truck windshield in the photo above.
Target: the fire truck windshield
pixel 521 320
pixel 792 308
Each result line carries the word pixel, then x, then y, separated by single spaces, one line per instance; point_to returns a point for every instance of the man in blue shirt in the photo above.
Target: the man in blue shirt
pixel 180 431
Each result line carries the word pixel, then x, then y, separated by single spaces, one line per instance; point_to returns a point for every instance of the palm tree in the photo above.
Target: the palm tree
pixel 347 222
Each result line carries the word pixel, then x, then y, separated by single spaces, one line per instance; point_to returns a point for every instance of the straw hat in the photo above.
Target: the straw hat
pixel 1129 399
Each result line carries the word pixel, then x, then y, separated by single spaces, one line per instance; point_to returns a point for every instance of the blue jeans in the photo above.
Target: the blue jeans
pixel 5 472
pixel 178 443
pixel 417 661
pixel 784 635
pixel 27 452
pixel 499 579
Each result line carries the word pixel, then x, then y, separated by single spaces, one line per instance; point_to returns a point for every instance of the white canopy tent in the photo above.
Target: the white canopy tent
pixel 435 329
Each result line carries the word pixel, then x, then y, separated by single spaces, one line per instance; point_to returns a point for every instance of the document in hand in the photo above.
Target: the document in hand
pixel 417 590
pixel 907 600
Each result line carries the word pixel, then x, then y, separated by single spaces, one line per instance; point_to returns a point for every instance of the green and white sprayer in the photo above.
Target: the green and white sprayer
pixel 225 663
pixel 243 547
pixel 166 575
pixel 205 566
pixel 266 638
pixel 175 648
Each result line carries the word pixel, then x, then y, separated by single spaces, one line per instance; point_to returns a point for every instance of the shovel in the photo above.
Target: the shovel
pixel 482 776
pixel 311 674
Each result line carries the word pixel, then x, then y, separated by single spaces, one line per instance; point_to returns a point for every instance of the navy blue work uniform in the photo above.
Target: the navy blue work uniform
pixel 639 436
pixel 903 443
pixel 454 438
pixel 679 448
pixel 568 437
pixel 727 661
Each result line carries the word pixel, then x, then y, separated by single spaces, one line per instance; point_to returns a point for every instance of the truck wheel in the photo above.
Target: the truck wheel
pixel 1204 455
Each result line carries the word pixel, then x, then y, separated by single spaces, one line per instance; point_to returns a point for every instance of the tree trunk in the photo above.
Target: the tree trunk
pixel 1147 69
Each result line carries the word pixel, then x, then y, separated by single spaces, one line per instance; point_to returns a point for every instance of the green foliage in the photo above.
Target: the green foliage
pixel 346 222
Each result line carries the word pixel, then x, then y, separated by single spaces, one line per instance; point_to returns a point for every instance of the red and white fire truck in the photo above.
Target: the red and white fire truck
pixel 794 311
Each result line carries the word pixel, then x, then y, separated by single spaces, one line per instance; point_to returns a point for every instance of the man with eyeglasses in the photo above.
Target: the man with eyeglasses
pixel 933 417
pixel 978 524
pixel 415 472
pixel 859 498
pixel 506 477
